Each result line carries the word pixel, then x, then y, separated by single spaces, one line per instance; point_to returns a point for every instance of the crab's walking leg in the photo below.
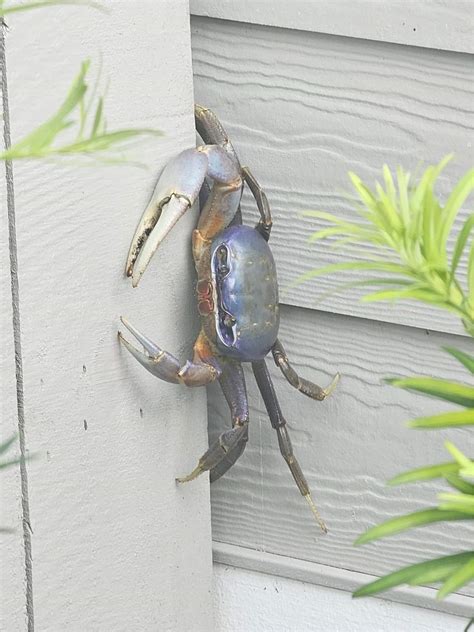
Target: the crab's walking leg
pixel 211 130
pixel 264 226
pixel 228 447
pixel 165 366
pixel 278 422
pixel 304 386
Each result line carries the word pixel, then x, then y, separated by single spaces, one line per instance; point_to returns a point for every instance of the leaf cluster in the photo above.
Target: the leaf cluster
pixel 454 571
pixel 408 229
pixel 410 232
pixel 87 117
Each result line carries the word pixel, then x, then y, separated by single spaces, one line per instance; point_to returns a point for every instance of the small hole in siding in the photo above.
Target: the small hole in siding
pixel 85 424
pixel 84 368
pixel 141 413
pixel 414 29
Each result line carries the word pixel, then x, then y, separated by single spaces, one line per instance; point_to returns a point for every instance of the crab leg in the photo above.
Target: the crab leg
pixel 228 447
pixel 176 191
pixel 304 386
pixel 264 226
pixel 278 422
pixel 211 131
pixel 165 366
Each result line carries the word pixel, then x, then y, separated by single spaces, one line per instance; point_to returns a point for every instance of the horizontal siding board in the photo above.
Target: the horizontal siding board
pixel 445 24
pixel 303 109
pixel 348 446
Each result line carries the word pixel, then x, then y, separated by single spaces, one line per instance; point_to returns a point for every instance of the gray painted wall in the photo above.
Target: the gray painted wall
pixel 303 108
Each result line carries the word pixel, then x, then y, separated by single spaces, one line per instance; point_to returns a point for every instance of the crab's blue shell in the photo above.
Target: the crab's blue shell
pixel 244 275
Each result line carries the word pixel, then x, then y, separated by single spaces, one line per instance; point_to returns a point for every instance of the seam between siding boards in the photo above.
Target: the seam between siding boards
pixel 404 23
pixel 333 577
pixel 17 336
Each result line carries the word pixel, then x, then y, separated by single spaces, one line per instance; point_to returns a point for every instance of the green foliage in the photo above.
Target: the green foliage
pixel 91 136
pixel 7 462
pixel 442 569
pixel 408 230
pixel 6 9
pixel 5 447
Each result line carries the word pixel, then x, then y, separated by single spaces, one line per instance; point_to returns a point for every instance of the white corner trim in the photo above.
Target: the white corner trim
pixel 333 577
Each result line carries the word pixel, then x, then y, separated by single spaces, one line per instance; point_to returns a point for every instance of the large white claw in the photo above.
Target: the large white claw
pixel 175 192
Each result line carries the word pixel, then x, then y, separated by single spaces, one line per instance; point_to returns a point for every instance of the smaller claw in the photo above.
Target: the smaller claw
pixel 157 361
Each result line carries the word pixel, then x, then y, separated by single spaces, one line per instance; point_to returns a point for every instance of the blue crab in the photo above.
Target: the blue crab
pixel 237 294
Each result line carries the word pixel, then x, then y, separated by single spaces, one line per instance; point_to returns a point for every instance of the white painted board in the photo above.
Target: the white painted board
pixel 117 545
pixel 444 24
pixel 303 109
pixel 284 605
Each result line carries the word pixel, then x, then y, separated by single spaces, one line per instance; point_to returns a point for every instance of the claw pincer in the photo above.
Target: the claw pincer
pixel 237 293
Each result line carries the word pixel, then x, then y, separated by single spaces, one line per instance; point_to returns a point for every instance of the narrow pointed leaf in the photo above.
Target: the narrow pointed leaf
pixel 408 521
pixel 375 266
pixel 460 484
pixel 6 444
pixel 461 576
pixel 461 242
pixel 39 4
pixel 465 359
pixel 442 470
pixel 418 574
pixel 97 117
pixel 442 389
pixel 458 196
pixel 445 420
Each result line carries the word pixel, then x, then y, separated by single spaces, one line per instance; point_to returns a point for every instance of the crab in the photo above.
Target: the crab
pixel 237 294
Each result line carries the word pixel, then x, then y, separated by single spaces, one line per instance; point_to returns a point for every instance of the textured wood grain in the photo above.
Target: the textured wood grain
pixel 348 446
pixel 303 109
pixel 445 24
pixel 117 545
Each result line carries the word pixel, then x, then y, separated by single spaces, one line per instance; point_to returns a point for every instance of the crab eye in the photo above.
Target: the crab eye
pixel 222 261
pixel 229 321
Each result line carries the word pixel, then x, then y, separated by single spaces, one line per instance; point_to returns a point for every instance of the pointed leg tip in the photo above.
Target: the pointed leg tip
pixel 315 511
pixel 190 477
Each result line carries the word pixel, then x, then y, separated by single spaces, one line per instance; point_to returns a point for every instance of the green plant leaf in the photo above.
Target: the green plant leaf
pixel 457 502
pixel 459 483
pixel 442 470
pixel 470 276
pixel 40 4
pixel 408 521
pixel 465 359
pixel 5 445
pixel 445 420
pixel 460 577
pixel 458 196
pixel 428 572
pixel 461 242
pixel 374 266
pixel 10 463
pixel 40 143
pixel 442 389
